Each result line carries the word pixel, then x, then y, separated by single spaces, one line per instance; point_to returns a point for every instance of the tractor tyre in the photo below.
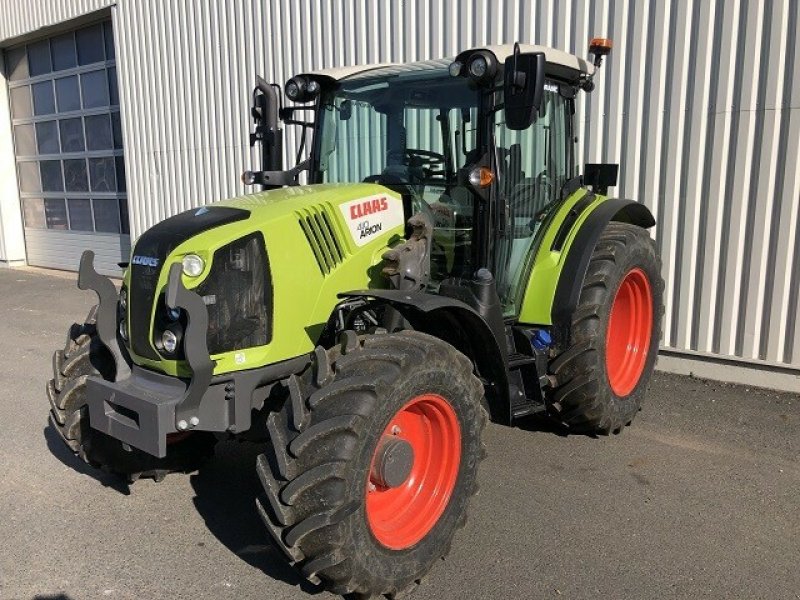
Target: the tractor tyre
pixel 84 355
pixel 603 373
pixel 372 462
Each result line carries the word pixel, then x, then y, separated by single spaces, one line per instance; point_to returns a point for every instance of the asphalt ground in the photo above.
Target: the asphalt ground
pixel 699 498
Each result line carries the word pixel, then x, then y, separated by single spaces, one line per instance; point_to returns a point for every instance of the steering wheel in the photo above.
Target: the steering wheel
pixel 432 162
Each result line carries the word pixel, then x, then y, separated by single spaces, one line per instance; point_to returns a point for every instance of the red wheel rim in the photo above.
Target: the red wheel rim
pixel 401 516
pixel 630 326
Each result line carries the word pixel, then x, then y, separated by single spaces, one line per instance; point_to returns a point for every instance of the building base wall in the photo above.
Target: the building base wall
pixel 10 264
pixel 730 370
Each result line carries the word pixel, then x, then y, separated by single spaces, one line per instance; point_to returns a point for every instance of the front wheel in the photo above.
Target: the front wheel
pixel 372 462
pixel 603 371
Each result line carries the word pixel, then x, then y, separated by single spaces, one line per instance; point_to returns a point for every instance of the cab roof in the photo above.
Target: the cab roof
pixel 558 61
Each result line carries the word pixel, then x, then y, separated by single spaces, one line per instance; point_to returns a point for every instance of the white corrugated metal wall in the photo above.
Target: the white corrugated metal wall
pixel 21 18
pixel 699 103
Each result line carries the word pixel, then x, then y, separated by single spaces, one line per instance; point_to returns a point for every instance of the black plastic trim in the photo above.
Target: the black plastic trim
pixel 571 186
pixel 156 244
pixel 572 216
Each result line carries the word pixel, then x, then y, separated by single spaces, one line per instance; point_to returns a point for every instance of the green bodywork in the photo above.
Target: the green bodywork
pixel 303 296
pixel 545 270
pixel 307 276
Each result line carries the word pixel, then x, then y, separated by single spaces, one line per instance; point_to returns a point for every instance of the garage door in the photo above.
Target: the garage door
pixel 68 144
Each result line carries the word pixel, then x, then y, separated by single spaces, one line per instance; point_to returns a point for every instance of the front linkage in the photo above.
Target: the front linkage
pixel 137 422
pixel 143 408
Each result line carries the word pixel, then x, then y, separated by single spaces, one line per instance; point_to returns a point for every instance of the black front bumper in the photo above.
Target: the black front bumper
pixel 139 410
pixel 140 407
pixel 143 408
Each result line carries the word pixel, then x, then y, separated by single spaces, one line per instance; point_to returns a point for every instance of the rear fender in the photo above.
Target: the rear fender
pixel 459 325
pixel 561 259
pixel 570 282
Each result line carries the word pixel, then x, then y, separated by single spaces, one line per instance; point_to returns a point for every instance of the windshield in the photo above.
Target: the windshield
pixel 411 131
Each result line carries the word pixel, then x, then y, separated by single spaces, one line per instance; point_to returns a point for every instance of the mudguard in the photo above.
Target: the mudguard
pixel 460 325
pixel 580 251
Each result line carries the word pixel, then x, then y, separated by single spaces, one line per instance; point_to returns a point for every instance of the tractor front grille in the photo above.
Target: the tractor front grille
pixel 149 254
pixel 317 226
pixel 238 295
pixel 142 294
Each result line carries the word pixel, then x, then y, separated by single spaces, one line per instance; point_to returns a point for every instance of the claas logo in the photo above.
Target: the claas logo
pixel 145 261
pixel 370 207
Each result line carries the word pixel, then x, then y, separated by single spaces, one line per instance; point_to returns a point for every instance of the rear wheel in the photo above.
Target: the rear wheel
pixel 83 356
pixel 372 462
pixel 603 372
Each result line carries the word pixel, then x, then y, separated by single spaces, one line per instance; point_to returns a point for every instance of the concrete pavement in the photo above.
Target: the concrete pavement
pixel 699 498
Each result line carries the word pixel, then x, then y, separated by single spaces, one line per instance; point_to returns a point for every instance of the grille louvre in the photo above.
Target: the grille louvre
pixel 317 226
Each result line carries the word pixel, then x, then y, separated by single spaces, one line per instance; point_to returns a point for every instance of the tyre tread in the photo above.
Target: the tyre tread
pixel 302 504
pixel 578 400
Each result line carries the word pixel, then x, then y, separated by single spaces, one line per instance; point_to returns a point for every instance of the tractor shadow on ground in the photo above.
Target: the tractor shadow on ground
pixel 225 491
pixel 60 450
pixel 542 424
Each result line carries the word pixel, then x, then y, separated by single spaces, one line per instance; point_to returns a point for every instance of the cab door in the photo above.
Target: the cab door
pixel 532 164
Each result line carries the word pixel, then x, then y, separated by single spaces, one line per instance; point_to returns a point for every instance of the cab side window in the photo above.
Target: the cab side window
pixel 533 165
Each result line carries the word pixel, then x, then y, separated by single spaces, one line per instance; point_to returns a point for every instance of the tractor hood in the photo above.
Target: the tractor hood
pixel 268 266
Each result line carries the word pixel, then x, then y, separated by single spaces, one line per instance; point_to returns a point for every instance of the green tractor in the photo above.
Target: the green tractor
pixel 446 262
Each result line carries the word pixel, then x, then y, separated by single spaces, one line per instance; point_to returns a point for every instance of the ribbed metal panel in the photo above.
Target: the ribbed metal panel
pixel 63 249
pixel 698 102
pixel 20 18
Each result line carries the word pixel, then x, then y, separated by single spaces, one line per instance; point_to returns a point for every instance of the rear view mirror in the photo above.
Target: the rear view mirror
pixel 523 87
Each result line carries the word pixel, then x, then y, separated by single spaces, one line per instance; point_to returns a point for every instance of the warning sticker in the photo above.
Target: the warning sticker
pixel 371 216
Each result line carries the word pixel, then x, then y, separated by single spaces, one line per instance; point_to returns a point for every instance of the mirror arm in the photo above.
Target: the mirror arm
pixel 276 179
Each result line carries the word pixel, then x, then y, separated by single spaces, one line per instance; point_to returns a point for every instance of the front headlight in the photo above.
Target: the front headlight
pixel 123 300
pixel 193 265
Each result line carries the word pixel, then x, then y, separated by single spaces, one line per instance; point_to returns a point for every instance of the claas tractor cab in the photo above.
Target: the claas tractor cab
pixel 436 256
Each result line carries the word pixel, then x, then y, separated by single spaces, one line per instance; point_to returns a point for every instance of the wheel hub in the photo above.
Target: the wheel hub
pixel 393 461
